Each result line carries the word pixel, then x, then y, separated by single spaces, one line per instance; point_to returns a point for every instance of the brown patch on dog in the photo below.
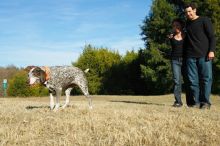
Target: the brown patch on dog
pixel 38 72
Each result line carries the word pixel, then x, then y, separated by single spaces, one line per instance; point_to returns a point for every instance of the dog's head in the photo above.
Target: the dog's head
pixel 36 75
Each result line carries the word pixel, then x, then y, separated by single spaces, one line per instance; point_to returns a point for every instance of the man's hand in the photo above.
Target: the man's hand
pixel 170 36
pixel 211 55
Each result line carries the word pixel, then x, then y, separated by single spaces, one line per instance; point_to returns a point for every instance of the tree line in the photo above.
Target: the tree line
pixel 145 72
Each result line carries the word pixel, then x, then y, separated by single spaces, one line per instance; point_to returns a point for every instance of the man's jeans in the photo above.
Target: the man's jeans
pixel 177 74
pixel 199 73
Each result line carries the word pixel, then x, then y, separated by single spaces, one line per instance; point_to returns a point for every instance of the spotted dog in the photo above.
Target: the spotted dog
pixel 58 79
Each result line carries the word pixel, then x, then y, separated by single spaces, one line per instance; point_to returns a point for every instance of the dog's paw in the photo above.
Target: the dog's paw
pixel 52 107
pixel 56 107
pixel 90 107
pixel 64 106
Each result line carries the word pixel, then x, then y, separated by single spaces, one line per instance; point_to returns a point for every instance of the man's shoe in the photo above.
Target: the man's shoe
pixel 205 106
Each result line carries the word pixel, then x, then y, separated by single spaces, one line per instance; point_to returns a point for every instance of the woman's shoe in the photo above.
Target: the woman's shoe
pixel 177 104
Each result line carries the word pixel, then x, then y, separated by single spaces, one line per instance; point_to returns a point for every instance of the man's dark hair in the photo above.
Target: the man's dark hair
pixel 192 5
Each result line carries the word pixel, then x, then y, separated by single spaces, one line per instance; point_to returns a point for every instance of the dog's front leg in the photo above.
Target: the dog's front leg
pixel 67 92
pixel 58 95
pixel 51 101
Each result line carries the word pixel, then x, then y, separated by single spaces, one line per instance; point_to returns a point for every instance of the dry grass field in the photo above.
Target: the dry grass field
pixel 114 121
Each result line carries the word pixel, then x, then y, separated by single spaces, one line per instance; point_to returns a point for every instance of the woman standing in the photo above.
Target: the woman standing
pixel 177 41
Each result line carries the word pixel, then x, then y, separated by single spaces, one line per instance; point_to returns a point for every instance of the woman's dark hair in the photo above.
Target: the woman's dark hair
pixel 180 21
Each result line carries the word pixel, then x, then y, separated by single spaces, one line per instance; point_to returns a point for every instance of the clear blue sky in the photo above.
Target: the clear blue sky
pixel 54 32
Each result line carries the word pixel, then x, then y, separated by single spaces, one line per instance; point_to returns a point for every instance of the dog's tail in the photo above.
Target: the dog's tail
pixel 87 70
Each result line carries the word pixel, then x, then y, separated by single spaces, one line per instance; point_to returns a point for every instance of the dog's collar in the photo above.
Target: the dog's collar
pixel 46 69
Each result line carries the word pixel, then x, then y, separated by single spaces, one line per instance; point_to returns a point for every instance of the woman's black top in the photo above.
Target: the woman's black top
pixel 177 48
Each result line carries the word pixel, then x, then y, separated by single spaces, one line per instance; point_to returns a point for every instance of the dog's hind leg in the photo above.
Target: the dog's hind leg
pixel 85 91
pixel 67 92
pixel 90 101
pixel 58 95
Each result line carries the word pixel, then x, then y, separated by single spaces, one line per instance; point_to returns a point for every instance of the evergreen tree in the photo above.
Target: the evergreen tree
pixel 155 64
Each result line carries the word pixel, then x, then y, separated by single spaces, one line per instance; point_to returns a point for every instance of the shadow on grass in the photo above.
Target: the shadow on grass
pixel 135 102
pixel 36 107
pixel 44 106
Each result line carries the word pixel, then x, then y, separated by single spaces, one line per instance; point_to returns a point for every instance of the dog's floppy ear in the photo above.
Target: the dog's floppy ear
pixel 42 76
pixel 28 68
pixel 38 72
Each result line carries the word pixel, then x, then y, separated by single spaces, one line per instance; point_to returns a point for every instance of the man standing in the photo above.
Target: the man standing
pixel 200 49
